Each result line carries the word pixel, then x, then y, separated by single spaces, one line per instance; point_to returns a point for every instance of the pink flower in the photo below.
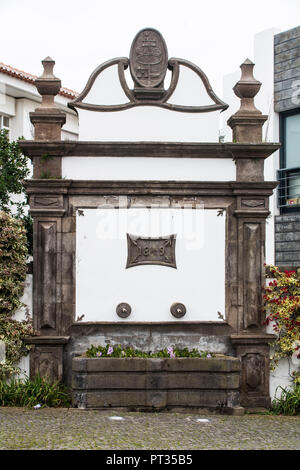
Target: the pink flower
pixel 170 351
pixel 99 353
pixel 110 350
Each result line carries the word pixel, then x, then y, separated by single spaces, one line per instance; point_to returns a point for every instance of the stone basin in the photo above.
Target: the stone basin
pixel 138 384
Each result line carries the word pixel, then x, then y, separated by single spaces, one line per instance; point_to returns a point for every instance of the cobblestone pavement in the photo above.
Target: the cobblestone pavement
pixel 57 429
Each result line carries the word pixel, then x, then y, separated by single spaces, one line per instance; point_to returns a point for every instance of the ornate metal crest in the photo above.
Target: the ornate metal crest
pixel 148 65
pixel 148 59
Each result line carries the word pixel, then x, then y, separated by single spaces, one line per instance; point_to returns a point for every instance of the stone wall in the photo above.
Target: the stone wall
pixel 286 70
pixel 287 241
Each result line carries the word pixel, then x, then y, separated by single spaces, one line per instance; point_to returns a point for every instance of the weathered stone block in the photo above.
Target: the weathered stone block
pixel 285 46
pixel 287 256
pixel 286 65
pixel 287 236
pixel 287 35
pixel 287 246
pixel 156 382
pixel 284 227
pixel 288 54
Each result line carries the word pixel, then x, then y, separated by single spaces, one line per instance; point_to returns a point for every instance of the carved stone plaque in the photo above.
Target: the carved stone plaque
pixel 254 365
pixel 148 58
pixel 147 250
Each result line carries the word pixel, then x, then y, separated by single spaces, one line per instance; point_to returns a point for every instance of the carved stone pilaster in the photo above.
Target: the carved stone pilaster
pixel 251 214
pixel 47 253
pixel 47 207
pixel 254 354
pixel 46 356
pixel 252 278
pixel 251 341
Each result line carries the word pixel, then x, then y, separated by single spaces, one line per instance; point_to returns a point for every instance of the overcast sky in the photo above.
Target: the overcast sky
pixel 79 35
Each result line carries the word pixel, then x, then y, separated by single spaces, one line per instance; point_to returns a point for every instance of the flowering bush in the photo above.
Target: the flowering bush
pixel 13 333
pixel 13 269
pixel 282 305
pixel 118 351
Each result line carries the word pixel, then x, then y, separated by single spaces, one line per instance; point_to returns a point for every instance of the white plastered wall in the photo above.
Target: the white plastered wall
pixel 102 280
pixel 148 123
pixel 101 264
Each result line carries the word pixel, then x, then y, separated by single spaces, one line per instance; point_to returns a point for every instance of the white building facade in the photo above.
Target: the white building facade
pixel 19 97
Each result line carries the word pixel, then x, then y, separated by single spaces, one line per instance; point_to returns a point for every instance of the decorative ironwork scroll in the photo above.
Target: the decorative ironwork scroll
pixel 148 65
pixel 147 250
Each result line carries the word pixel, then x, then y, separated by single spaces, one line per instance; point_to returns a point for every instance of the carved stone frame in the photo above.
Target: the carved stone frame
pixel 54 204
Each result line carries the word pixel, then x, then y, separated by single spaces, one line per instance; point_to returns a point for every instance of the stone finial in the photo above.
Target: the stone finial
pixel 247 88
pixel 47 84
pixel 247 122
pixel 48 118
pixel 48 64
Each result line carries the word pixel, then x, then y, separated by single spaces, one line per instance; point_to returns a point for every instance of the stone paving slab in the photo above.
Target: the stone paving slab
pixel 74 429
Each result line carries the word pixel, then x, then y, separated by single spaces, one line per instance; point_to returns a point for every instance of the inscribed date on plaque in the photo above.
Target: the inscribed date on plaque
pixel 147 250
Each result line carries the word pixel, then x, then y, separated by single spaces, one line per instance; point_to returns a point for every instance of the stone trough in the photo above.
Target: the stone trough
pixel 157 384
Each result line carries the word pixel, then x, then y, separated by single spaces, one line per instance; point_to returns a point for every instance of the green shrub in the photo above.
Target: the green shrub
pixel 13 267
pixel 29 393
pixel 13 270
pixel 13 171
pixel 13 334
pixel 289 401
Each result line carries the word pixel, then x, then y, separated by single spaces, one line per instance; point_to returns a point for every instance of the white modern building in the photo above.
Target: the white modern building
pixel 19 97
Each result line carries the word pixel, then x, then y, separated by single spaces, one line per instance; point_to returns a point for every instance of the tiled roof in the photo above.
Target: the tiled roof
pixel 29 78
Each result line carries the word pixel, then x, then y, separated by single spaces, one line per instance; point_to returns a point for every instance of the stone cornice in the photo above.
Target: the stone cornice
pixel 146 149
pixel 255 338
pixel 52 340
pixel 154 188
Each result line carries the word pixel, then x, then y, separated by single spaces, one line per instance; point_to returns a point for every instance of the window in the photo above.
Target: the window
pixel 289 173
pixel 4 122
